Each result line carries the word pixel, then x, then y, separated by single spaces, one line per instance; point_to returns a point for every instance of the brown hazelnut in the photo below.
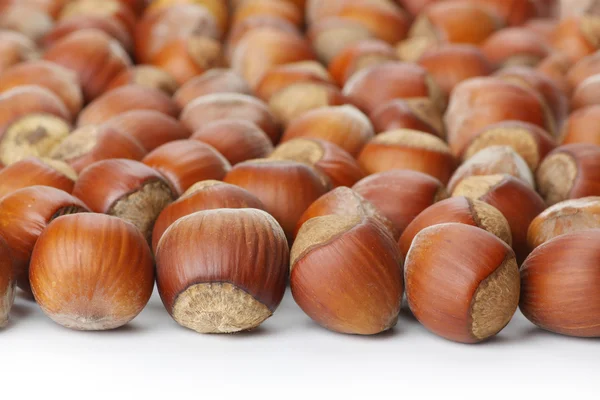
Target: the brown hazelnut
pixel 565 217
pixel 185 162
pixel 222 271
pixel 276 8
pixel 582 126
pixel 111 27
pixel 237 140
pixel 515 46
pixel 460 210
pixel 218 8
pixel 345 201
pixel 51 7
pixel 24 214
pixel 586 67
pixel 230 106
pixel 330 36
pixel 402 80
pixel 408 149
pixel 514 12
pixel 569 172
pixel 127 98
pixel 282 76
pixel 346 274
pixel 516 200
pixel 577 37
pixel 91 143
pixel 150 128
pixel 462 283
pixel 201 196
pixel 345 126
pixel 126 189
pixel 400 195
pixel 493 160
pixel 451 64
pixel 419 114
pixel 217 80
pixel 113 9
pixel 555 68
pixel 544 27
pixel 262 49
pixel 34 171
pixel 586 94
pixel 104 267
pixel 7 283
pixel 16 48
pixel 286 188
pixel 337 164
pixel 358 56
pixel 148 76
pixel 31 22
pixel 59 80
pixel 94 56
pixel 560 285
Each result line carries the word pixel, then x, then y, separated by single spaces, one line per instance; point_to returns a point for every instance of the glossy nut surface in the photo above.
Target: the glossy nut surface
pixel 33 171
pixel 7 283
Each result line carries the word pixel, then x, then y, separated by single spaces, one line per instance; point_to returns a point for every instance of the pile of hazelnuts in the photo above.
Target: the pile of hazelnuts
pixel 361 151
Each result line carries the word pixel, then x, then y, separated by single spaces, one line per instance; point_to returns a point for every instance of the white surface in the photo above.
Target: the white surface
pixel 288 356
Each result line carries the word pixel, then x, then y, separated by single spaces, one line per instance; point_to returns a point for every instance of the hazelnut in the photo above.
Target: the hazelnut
pixel 577 37
pixel 351 255
pixel 185 162
pixel 586 67
pixel 276 8
pixel 34 171
pixel 297 99
pixel 412 49
pixel 358 56
pixel 530 141
pixel 25 101
pixel 222 271
pixel 31 22
pixel 219 106
pixel 408 149
pixel 414 7
pixel 400 195
pixel 261 49
pixel 337 164
pixel 565 217
pixel 582 126
pixel 517 201
pixel 59 80
pixel 150 128
pixel 157 28
pixel 460 210
pixel 109 26
pixel 555 68
pixel 147 76
pixel 585 94
pixel 91 143
pixel 493 160
pixel 330 36
pixel 7 283
pixel 286 188
pixel 578 8
pixel 237 140
pixel 217 80
pixel 15 48
pixel 201 196
pixel 462 283
pixel 418 114
pixel 137 6
pixel 402 80
pixel 456 22
pixel 126 189
pixel 544 27
pixel 24 214
pixel 345 201
pixel 112 9
pixel 218 8
pixel 515 46
pixel 282 76
pixel 126 98
pixel 344 126
pixel 479 102
pixel 514 12
pixel 51 7
pixel 451 64
pixel 94 56
pixel 104 267
pixel 569 172
pixel 560 285
pixel 554 97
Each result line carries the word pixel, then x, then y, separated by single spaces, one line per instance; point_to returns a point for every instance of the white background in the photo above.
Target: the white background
pixel 289 356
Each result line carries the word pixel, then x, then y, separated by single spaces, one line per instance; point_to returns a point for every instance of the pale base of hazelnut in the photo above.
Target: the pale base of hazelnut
pixel 88 322
pixel 143 207
pixel 496 300
pixel 555 177
pixel 218 308
pixel 6 302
